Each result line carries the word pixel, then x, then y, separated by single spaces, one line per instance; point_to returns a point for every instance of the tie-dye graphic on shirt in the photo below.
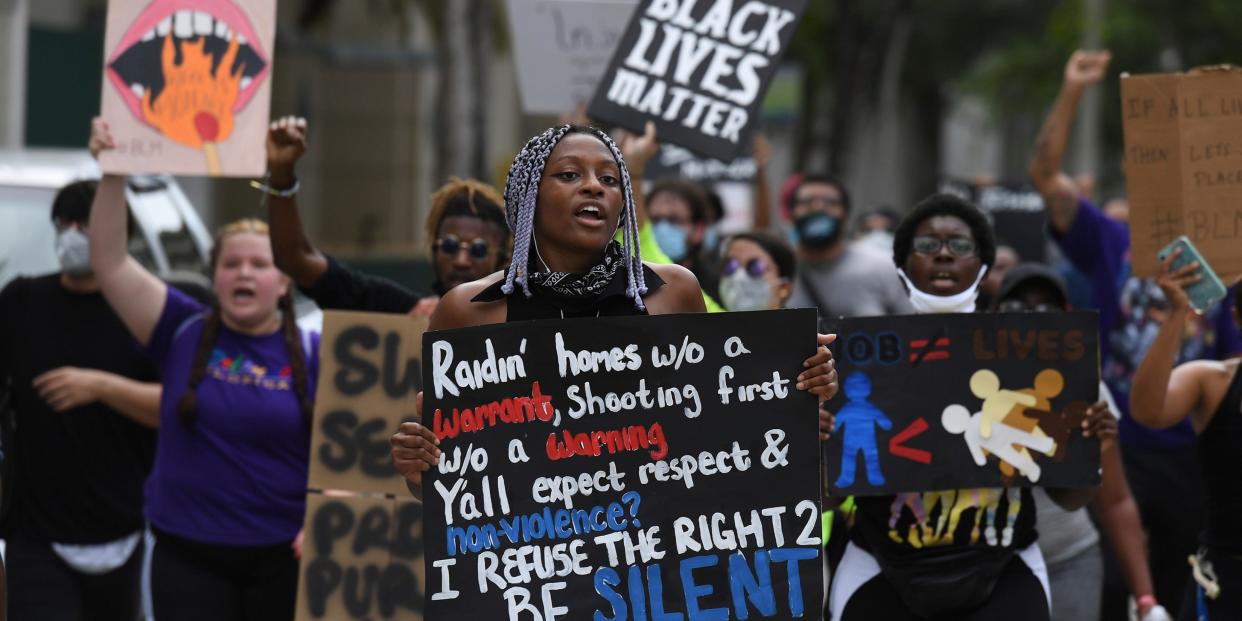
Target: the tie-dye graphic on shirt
pixel 238 369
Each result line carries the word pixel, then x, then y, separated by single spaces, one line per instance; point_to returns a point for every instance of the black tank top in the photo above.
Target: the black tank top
pixel 1218 459
pixel 611 302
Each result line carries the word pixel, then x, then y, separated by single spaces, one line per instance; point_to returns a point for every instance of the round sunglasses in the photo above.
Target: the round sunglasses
pixel 451 245
pixel 755 268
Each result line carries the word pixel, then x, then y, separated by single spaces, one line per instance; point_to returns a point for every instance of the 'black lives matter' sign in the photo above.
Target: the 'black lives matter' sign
pixel 698 68
pixel 623 468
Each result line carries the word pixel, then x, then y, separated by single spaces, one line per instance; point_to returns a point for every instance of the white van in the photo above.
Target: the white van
pixel 169 237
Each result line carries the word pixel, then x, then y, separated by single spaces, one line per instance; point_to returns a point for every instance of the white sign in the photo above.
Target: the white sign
pixel 562 47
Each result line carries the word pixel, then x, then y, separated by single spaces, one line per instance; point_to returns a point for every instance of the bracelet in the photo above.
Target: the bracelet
pixel 1145 600
pixel 266 187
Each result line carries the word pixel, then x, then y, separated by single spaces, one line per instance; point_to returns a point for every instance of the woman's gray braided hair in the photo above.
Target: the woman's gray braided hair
pixel 522 191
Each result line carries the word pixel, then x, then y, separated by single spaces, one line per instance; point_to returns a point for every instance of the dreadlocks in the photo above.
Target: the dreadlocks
pixel 521 195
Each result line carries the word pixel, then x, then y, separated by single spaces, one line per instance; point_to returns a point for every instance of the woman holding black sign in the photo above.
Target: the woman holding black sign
pixel 567 195
pixel 901 563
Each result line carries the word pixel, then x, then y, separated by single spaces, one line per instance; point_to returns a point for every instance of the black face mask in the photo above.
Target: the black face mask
pixel 818 230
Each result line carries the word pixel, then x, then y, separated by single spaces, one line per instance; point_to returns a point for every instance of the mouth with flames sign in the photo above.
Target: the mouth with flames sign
pixel 187 67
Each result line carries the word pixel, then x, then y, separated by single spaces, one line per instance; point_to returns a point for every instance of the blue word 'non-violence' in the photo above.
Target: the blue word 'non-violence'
pixel 548 525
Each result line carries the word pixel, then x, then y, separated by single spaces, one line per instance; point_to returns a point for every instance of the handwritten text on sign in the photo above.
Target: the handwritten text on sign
pixel 698 68
pixel 370 373
pixel 935 402
pixel 620 468
pixel 1183 160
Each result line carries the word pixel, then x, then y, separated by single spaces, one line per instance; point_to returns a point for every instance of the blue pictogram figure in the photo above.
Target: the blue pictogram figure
pixel 856 423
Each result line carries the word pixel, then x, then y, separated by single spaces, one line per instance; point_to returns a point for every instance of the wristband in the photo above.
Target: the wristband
pixel 266 187
pixel 1147 600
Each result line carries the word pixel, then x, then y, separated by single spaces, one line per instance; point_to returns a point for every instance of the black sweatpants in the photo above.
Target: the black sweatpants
pixel 42 587
pixel 193 581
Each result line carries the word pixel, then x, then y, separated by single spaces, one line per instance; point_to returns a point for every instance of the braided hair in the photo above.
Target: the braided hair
pixel 187 405
pixel 521 196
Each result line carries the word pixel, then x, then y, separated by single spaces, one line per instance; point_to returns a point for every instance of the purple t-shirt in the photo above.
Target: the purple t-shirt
pixel 1131 311
pixel 237 476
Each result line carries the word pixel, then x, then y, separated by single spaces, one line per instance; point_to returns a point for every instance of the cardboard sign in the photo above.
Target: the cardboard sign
pixel 1016 211
pixel 698 68
pixel 1183 162
pixel 369 375
pixel 600 468
pixel 939 402
pixel 187 86
pixel 674 162
pixel 562 48
pixel 361 559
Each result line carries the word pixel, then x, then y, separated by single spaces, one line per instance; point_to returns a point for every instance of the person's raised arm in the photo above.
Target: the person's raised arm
pixel 293 252
pixel 1161 395
pixel 637 151
pixel 763 205
pixel 1084 69
pixel 135 294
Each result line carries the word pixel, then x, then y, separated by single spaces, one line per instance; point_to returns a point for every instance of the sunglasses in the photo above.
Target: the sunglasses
pixel 450 245
pixel 754 268
pixel 1018 306
pixel 958 246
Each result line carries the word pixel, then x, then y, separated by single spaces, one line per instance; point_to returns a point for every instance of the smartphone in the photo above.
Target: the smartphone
pixel 1209 289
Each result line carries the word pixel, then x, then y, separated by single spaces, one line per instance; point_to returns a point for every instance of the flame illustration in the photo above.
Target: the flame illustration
pixel 196 107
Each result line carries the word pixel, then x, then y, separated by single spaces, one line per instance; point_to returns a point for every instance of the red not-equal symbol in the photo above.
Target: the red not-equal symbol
pixel 927 350
pixel 895 443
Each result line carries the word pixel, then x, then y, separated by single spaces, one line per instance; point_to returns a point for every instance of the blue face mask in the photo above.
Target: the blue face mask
pixel 671 239
pixel 818 230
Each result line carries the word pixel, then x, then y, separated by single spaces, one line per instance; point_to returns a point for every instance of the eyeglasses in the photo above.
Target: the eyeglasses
pixel 450 245
pixel 1018 306
pixel 958 246
pixel 754 268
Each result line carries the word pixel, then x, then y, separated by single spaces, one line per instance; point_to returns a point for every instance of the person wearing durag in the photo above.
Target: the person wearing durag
pixel 567 194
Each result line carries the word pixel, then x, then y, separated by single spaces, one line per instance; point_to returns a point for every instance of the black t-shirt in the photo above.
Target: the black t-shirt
pixel 1217 453
pixel 80 473
pixel 344 288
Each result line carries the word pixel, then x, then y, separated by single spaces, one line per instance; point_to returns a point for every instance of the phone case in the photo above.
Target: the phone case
pixel 1209 289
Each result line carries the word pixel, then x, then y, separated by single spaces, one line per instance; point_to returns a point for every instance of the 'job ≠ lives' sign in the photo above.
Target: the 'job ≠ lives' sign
pixel 623 468
pixel 698 68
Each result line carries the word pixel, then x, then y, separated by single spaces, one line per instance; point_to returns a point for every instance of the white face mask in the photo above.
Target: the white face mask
pixel 73 248
pixel 741 292
pixel 926 303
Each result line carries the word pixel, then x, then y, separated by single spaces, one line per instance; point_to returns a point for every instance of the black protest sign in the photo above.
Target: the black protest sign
pixel 361 559
pixel 1016 211
pixel 618 467
pixel 368 376
pixel 937 402
pixel 698 68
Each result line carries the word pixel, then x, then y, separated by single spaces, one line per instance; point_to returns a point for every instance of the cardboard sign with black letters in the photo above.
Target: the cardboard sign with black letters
pixel 361 559
pixel 369 375
pixel 595 467
pixel 362 547
pixel 698 68
pixel 938 402
pixel 1183 136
